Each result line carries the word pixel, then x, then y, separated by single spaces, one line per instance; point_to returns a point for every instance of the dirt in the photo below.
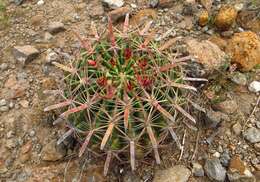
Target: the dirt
pixel 26 130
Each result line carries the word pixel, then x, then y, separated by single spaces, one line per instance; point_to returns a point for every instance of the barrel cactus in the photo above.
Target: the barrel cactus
pixel 122 97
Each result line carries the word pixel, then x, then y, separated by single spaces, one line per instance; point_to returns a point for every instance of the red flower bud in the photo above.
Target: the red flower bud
pixel 144 81
pixel 127 53
pixel 110 92
pixel 142 63
pixel 129 86
pixel 102 81
pixel 112 62
pixel 92 62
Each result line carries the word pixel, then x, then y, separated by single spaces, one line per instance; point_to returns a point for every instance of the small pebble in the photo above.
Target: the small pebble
pixel 197 169
pixel 3 66
pixel 255 161
pixel 254 86
pixel 10 134
pixel 3 102
pixel 258 124
pixel 133 5
pixel 237 128
pixel 4 108
pixel 239 6
pixel 40 2
pixel 216 154
pixel 32 133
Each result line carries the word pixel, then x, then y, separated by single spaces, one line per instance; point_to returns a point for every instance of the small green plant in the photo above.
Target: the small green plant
pixel 3 15
pixel 123 96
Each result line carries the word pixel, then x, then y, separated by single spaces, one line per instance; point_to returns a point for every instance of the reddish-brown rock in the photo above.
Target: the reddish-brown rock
pixel 225 17
pixel 244 49
pixel 203 18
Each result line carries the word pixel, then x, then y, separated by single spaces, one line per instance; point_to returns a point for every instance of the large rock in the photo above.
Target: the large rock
pixel 25 54
pixel 177 173
pixel 53 152
pixel 207 53
pixel 252 135
pixel 244 49
pixel 225 17
pixel 238 171
pixel 215 170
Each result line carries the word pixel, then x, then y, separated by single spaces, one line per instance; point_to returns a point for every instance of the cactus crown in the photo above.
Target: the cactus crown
pixel 123 95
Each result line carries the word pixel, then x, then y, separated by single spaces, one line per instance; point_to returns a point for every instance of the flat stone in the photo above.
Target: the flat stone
pixel 56 27
pixel 25 54
pixel 215 170
pixel 116 14
pixel 177 173
pixel 252 135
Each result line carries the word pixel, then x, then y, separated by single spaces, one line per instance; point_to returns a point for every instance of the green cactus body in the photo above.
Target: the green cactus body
pixel 123 95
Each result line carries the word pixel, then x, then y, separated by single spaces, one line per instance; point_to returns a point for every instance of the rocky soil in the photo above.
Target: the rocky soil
pixel 222 36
